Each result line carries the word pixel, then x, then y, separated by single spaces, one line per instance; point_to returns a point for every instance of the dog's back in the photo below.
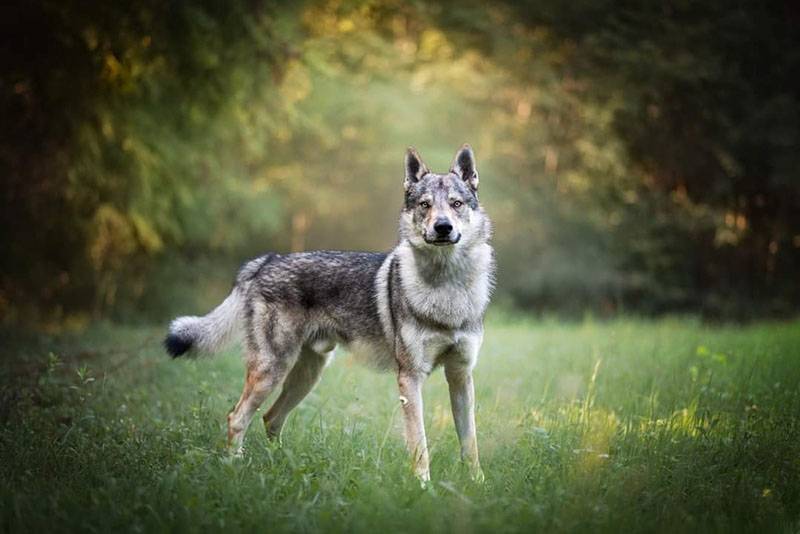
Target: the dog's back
pixel 323 294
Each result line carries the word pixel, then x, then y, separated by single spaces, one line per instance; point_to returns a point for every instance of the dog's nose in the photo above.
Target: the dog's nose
pixel 442 227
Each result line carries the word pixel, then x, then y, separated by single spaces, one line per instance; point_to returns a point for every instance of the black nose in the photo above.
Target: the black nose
pixel 442 227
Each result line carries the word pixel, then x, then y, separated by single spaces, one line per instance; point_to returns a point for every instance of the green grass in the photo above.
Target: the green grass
pixel 598 426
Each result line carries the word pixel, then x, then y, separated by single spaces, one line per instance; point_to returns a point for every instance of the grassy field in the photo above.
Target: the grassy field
pixel 617 426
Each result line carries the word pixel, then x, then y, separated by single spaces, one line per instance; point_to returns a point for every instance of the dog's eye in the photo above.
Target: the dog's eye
pixel 457 204
pixel 424 205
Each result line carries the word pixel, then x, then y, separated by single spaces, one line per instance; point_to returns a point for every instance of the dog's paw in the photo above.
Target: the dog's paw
pixel 477 475
pixel 424 478
pixel 233 454
pixel 426 485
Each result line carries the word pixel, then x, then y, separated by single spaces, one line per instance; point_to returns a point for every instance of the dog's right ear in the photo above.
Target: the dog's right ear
pixel 415 168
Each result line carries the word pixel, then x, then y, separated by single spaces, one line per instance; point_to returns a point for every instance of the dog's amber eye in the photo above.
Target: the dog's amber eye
pixel 457 204
pixel 424 205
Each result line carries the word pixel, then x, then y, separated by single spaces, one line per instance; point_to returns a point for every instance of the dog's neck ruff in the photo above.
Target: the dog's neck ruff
pixel 448 285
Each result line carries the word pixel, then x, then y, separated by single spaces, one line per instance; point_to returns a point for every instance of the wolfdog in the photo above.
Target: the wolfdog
pixel 412 310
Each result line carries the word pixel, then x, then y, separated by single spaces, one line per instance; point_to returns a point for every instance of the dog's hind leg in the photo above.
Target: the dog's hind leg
pixel 270 359
pixel 299 383
pixel 274 344
pixel 263 375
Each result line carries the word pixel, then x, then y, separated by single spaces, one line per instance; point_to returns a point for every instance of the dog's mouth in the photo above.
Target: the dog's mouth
pixel 443 241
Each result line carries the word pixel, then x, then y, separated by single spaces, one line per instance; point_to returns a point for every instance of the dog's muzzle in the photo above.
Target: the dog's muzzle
pixel 443 234
pixel 443 241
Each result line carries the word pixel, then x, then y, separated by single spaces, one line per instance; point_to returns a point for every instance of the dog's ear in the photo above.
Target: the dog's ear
pixel 415 168
pixel 464 166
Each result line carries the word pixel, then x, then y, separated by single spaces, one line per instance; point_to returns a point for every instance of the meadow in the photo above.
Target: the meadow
pixel 622 425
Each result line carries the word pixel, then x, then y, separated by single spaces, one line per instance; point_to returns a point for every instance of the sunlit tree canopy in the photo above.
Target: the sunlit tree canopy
pixel 633 157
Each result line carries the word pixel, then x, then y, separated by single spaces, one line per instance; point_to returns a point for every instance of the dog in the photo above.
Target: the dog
pixel 419 307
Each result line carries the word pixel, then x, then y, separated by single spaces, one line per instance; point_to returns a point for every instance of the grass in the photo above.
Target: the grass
pixel 598 426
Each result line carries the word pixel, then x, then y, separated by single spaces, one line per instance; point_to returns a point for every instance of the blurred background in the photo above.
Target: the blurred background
pixel 636 157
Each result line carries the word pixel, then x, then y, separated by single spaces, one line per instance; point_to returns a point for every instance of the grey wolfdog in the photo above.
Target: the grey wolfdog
pixel 416 308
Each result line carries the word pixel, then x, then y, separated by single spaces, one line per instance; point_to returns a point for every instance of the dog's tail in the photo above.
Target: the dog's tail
pixel 210 333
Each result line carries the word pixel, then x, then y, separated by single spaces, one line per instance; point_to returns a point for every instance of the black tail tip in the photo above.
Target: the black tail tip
pixel 176 346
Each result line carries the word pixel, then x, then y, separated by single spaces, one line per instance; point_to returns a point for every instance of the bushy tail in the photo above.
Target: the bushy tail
pixel 207 334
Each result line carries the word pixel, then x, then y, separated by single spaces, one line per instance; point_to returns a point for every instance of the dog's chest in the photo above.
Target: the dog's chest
pixel 458 296
pixel 451 304
pixel 428 349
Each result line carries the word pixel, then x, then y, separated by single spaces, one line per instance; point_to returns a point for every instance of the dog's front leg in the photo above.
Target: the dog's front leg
pixel 410 384
pixel 462 402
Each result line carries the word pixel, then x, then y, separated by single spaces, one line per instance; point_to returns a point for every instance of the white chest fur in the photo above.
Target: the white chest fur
pixel 451 287
pixel 429 348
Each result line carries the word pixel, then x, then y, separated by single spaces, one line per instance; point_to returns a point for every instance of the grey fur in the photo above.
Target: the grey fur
pixel 416 308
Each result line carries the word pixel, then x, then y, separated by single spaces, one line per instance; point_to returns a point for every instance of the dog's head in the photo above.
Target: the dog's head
pixel 442 210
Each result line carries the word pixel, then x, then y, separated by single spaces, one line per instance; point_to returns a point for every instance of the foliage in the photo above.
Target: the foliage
pixel 634 157
pixel 704 102
pixel 129 131
pixel 626 425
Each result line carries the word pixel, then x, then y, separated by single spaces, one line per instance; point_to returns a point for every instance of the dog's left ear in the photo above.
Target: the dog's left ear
pixel 464 166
